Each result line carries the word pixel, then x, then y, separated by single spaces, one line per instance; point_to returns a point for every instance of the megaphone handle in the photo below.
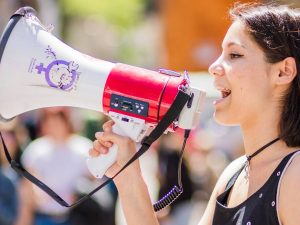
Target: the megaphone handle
pixel 99 165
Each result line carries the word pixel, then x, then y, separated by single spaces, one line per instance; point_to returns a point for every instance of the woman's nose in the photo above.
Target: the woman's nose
pixel 216 69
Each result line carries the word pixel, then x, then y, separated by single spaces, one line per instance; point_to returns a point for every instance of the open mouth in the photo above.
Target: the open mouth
pixel 225 92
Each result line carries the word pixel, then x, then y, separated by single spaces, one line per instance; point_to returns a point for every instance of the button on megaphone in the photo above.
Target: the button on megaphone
pixel 38 70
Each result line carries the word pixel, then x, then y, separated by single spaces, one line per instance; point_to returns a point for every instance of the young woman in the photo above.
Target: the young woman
pixel 258 75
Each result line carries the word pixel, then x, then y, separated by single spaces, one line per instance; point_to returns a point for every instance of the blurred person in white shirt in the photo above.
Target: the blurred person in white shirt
pixel 58 159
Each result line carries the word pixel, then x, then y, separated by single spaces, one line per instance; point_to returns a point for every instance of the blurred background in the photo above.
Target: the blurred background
pixel 53 143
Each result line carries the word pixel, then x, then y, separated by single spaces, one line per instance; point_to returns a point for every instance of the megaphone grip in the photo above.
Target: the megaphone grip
pixel 99 165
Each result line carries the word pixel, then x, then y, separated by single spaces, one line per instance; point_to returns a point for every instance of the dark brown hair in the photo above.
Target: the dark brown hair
pixel 276 29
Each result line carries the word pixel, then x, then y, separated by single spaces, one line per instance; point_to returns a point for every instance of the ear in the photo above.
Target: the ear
pixel 288 71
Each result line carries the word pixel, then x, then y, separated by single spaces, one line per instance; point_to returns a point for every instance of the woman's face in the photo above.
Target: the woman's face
pixel 242 76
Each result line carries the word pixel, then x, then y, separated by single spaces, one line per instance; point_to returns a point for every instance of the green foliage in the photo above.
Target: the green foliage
pixel 121 13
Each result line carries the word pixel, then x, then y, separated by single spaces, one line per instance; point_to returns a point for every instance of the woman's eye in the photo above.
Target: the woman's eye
pixel 235 55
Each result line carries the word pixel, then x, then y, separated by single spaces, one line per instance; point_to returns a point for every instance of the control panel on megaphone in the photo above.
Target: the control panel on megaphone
pixel 37 70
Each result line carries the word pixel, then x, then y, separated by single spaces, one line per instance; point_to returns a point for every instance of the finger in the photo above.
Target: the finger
pixel 93 153
pixel 97 145
pixel 109 136
pixel 99 137
pixel 107 126
pixel 100 147
pixel 116 139
pixel 106 144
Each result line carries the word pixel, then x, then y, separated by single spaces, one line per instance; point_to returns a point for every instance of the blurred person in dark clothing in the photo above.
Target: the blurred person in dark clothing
pixel 168 157
pixel 15 152
pixel 11 183
pixel 168 176
pixel 8 201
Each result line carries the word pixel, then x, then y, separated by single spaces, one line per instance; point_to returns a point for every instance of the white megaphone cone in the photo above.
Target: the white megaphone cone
pixel 37 70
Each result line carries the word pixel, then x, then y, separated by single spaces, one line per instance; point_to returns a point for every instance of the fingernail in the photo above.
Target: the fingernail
pixel 93 153
pixel 98 134
pixel 107 144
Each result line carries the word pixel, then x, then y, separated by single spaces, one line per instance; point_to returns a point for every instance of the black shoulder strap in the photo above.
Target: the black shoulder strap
pixel 171 115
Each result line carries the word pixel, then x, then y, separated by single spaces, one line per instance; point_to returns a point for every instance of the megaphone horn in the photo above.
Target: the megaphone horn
pixel 37 70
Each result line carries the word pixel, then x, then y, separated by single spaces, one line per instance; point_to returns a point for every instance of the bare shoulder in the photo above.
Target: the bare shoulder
pixel 289 195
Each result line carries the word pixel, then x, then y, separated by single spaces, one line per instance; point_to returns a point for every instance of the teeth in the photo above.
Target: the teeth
pixel 224 91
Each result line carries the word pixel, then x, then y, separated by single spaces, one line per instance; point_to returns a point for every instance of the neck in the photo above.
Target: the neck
pixel 259 132
pixel 253 142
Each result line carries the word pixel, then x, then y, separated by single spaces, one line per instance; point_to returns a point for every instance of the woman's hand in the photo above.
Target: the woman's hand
pixel 131 186
pixel 126 149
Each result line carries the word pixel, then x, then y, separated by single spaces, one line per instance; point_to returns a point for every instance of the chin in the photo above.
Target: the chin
pixel 225 120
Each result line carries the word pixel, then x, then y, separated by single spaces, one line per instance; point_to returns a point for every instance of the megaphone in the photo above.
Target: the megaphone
pixel 37 70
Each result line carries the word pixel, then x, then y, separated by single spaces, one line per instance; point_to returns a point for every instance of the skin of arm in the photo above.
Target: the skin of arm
pixel 135 201
pixel 289 195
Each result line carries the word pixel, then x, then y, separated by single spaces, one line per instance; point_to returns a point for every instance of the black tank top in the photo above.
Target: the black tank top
pixel 259 209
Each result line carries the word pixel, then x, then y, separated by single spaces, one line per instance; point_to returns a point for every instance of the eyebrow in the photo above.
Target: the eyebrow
pixel 234 43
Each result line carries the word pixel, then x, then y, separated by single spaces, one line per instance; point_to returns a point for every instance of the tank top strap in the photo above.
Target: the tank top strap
pixel 286 159
pixel 279 171
pixel 280 167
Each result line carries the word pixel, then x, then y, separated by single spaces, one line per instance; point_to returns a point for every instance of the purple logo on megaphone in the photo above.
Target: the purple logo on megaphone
pixel 59 74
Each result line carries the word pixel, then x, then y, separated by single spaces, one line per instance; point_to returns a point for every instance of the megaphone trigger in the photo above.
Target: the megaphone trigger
pixel 99 165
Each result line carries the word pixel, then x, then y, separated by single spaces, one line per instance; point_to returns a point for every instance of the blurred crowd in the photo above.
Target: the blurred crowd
pixel 53 145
